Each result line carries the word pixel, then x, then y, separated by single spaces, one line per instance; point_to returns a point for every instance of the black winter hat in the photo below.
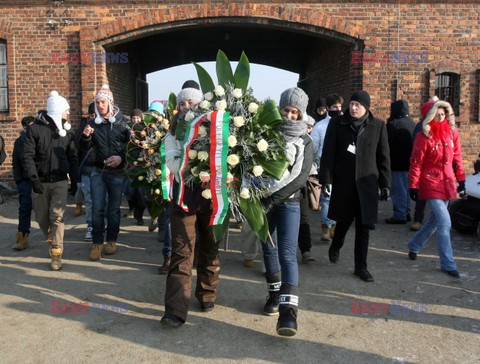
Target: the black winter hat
pixel 362 97
pixel 321 102
pixel 191 84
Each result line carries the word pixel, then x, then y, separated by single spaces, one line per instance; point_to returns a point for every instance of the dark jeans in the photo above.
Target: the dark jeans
pixel 361 239
pixel 419 210
pixel 136 198
pixel 304 236
pixel 106 183
pixel 24 189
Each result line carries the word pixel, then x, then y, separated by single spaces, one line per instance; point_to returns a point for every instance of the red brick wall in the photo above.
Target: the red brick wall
pixel 447 30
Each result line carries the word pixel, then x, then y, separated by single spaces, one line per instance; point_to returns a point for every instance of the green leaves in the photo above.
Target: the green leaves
pixel 206 82
pixel 242 73
pixel 268 114
pixel 224 73
pixel 256 218
pixel 275 168
pixel 224 70
pixel 172 103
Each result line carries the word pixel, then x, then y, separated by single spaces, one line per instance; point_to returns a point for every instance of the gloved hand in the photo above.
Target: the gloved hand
pixel 414 194
pixel 461 188
pixel 267 204
pixel 384 193
pixel 73 188
pixel 327 189
pixel 37 186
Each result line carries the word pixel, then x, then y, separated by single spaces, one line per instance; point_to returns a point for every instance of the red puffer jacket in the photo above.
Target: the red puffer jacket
pixel 435 167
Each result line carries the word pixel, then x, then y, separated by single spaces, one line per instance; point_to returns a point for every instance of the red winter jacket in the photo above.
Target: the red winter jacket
pixel 435 167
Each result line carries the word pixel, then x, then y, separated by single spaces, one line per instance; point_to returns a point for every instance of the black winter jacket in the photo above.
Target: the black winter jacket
pixel 48 156
pixel 108 139
pixel 19 172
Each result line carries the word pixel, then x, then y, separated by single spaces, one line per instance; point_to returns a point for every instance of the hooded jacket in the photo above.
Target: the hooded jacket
pixel 436 165
pixel 48 156
pixel 400 136
pixel 108 139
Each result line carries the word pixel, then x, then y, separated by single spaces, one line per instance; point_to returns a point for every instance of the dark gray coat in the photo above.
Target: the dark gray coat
pixel 355 178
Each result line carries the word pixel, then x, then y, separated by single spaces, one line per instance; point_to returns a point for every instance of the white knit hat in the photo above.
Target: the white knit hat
pixel 190 91
pixel 56 105
pixel 104 93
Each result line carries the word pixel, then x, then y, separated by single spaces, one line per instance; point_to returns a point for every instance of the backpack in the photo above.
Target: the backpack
pixel 3 155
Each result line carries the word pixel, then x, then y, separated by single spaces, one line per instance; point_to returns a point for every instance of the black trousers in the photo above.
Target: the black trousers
pixel 304 236
pixel 361 239
pixel 419 210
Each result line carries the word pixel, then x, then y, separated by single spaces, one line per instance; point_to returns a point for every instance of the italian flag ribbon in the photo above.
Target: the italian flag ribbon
pixel 167 176
pixel 191 134
pixel 218 165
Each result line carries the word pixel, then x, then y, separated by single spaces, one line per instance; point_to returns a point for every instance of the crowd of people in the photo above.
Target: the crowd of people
pixel 357 158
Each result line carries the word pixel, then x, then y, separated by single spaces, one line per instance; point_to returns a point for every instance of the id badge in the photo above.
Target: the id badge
pixel 351 148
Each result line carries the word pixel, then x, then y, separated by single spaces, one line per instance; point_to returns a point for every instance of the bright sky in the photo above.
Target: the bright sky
pixel 266 81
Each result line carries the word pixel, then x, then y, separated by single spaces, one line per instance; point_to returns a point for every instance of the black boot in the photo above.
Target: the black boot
pixel 287 321
pixel 271 306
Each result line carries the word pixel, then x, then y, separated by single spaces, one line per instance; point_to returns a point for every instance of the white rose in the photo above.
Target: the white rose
pixel 233 159
pixel 219 91
pixel 157 191
pixel 204 176
pixel 237 93
pixel 245 193
pixel 194 171
pixel 232 141
pixel 203 156
pixel 140 178
pixel 221 105
pixel 192 154
pixel 238 121
pixel 207 194
pixel 208 96
pixel 252 108
pixel 202 131
pixel 229 177
pixel 257 171
pixel 158 134
pixel 262 145
pixel 204 105
pixel 189 116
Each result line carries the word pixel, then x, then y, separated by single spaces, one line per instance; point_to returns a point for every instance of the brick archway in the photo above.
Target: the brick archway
pixel 302 21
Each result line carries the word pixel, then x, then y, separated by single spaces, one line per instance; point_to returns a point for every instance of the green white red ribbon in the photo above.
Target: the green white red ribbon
pixel 167 176
pixel 218 165
pixel 191 134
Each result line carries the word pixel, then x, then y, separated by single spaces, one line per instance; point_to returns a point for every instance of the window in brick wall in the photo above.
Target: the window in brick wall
pixel 447 87
pixel 3 77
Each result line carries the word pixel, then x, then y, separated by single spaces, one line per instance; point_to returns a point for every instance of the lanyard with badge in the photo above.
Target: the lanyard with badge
pixel 352 148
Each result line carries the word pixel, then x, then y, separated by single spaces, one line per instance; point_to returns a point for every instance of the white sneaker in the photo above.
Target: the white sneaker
pixel 88 234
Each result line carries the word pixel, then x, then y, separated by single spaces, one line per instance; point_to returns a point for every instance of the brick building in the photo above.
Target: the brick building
pixel 410 49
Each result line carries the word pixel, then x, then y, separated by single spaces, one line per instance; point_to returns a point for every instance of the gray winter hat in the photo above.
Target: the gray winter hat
pixel 190 91
pixel 295 97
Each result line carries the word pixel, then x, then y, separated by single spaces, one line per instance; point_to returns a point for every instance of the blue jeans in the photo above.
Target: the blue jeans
pixel 283 224
pixel 400 195
pixel 24 189
pixel 439 221
pixel 111 183
pixel 87 195
pixel 324 205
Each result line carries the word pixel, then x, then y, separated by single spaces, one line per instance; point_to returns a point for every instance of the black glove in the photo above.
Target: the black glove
pixel 73 188
pixel 384 193
pixel 414 194
pixel 461 188
pixel 37 186
pixel 327 190
pixel 267 204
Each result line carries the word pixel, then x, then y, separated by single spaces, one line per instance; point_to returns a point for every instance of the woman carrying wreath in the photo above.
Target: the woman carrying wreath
pixel 283 214
pixel 188 226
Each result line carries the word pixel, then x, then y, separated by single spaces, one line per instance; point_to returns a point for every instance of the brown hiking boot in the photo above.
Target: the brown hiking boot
pixel 96 252
pixel 415 226
pixel 22 241
pixel 79 209
pixel 56 255
pixel 110 248
pixel 248 263
pixel 332 231
pixel 325 233
pixel 166 266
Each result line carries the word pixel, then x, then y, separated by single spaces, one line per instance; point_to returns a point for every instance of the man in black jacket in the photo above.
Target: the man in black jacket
pixel 108 135
pixel 400 140
pixel 355 165
pixel 24 188
pixel 49 155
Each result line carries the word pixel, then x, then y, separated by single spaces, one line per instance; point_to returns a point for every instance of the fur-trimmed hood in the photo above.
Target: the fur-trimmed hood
pixel 429 109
